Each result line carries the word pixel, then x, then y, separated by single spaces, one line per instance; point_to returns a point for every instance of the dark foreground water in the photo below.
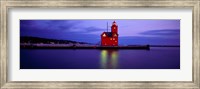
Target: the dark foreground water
pixel 155 58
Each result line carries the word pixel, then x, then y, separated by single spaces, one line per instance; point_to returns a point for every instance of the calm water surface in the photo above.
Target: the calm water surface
pixel 155 58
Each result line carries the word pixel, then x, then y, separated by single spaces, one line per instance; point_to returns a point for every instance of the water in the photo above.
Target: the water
pixel 156 58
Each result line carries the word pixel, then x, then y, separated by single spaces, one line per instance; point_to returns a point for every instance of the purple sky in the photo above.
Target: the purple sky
pixel 157 32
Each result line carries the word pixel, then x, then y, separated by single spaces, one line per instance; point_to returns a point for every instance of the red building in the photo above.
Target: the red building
pixel 110 38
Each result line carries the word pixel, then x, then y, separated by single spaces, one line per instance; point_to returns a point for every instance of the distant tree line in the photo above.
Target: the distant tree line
pixel 26 39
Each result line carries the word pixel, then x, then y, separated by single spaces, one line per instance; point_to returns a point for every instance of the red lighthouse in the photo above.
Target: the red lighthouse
pixel 110 38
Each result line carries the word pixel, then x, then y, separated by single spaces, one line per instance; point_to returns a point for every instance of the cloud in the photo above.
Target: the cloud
pixel 93 29
pixel 163 32
pixel 149 40
pixel 58 25
pixel 87 30
pixel 48 24
pixel 156 37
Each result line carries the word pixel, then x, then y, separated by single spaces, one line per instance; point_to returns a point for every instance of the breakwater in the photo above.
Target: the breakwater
pixel 35 46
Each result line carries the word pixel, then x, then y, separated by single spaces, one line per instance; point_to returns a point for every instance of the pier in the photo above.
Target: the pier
pixel 50 46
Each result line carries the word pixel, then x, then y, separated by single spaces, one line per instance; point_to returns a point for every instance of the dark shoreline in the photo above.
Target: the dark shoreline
pixel 145 47
pixel 164 46
pixel 140 47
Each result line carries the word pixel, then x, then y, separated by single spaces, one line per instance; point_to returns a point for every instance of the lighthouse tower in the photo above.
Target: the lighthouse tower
pixel 114 27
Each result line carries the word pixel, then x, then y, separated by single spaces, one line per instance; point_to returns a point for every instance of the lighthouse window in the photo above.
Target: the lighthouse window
pixel 113 27
pixel 115 35
pixel 113 38
pixel 110 38
pixel 104 35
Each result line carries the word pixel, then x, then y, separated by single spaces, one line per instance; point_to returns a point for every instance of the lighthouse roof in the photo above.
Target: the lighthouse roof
pixel 114 23
pixel 109 34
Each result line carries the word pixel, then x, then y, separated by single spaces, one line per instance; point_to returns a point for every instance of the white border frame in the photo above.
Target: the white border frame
pixel 184 74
